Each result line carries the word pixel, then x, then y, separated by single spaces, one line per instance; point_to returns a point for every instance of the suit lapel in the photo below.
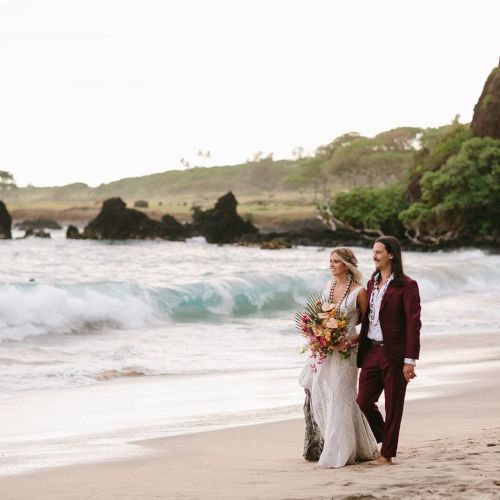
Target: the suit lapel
pixel 387 295
pixel 369 291
pixel 369 287
pixel 364 321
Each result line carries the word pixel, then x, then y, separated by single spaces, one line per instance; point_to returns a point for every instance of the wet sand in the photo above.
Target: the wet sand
pixel 449 447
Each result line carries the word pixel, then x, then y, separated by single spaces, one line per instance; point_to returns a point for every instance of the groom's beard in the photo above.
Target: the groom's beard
pixel 379 268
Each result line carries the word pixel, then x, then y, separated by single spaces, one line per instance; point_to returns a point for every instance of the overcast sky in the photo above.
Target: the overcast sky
pixel 97 90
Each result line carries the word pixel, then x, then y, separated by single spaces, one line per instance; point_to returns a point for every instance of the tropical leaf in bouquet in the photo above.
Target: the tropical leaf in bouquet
pixel 309 309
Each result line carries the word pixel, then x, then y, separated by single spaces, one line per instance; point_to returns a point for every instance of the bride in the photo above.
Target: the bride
pixel 345 434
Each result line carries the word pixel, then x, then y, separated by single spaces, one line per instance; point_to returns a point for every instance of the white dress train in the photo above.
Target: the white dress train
pixel 345 430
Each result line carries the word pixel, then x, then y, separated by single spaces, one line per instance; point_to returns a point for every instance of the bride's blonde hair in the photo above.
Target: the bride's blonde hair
pixel 347 257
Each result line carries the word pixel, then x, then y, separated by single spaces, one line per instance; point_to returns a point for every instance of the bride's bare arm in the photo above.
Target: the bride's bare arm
pixel 362 303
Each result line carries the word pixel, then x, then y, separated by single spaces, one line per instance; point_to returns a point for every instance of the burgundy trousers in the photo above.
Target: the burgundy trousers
pixel 378 375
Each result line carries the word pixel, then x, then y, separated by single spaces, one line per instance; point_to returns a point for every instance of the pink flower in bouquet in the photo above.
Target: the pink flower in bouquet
pixel 332 323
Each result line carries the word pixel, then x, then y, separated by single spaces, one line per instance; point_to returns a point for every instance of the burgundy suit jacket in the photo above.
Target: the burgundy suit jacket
pixel 399 320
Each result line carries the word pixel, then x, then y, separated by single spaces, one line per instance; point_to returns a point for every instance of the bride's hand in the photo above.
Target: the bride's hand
pixel 343 346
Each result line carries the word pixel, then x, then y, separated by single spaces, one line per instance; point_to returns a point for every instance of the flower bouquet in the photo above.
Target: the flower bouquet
pixel 323 327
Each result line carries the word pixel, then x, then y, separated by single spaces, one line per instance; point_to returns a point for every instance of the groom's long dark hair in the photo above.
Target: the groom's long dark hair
pixel 393 247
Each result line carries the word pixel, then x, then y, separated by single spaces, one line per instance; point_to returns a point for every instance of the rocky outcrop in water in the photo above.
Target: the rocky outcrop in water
pixel 40 233
pixel 117 222
pixel 275 244
pixel 173 227
pixel 316 235
pixel 37 233
pixel 72 233
pixel 221 224
pixel 486 118
pixel 38 224
pixel 5 223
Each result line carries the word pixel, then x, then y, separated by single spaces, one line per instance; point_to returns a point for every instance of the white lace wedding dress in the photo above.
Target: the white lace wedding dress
pixel 345 430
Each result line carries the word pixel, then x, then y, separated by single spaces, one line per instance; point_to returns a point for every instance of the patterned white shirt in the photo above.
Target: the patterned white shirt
pixel 374 329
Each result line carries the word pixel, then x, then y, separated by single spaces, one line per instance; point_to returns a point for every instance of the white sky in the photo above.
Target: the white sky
pixel 97 90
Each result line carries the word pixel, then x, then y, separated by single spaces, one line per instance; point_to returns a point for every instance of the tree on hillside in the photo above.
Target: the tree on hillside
pixel 256 157
pixel 371 210
pixel 260 156
pixel 297 153
pixel 352 160
pixel 337 143
pixel 7 180
pixel 366 162
pixel 462 198
pixel 400 139
pixel 312 169
pixel 185 163
pixel 438 145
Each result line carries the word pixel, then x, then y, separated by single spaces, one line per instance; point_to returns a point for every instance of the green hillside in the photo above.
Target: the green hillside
pixel 348 161
pixel 248 178
pixel 270 192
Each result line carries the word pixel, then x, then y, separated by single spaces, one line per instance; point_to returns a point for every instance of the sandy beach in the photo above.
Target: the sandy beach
pixel 449 447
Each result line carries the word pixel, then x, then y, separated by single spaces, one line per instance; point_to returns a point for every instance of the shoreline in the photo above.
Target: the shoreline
pixel 449 444
pixel 292 225
pixel 282 235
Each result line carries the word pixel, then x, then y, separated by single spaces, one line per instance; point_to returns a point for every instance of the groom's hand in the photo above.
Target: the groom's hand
pixel 409 371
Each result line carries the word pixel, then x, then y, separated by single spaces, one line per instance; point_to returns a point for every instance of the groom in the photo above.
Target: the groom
pixel 389 344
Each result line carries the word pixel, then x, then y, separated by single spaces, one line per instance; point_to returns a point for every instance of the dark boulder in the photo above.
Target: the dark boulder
pixel 38 224
pixel 486 118
pixel 221 224
pixel 5 223
pixel 141 204
pixel 72 233
pixel 117 222
pixel 173 227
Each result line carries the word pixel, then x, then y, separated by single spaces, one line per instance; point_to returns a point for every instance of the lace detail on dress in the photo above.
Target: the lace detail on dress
pixel 345 430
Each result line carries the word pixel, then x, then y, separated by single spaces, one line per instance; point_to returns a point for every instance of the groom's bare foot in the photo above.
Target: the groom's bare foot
pixel 381 460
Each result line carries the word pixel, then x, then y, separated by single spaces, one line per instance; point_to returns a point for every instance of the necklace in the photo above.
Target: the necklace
pixel 379 293
pixel 346 293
